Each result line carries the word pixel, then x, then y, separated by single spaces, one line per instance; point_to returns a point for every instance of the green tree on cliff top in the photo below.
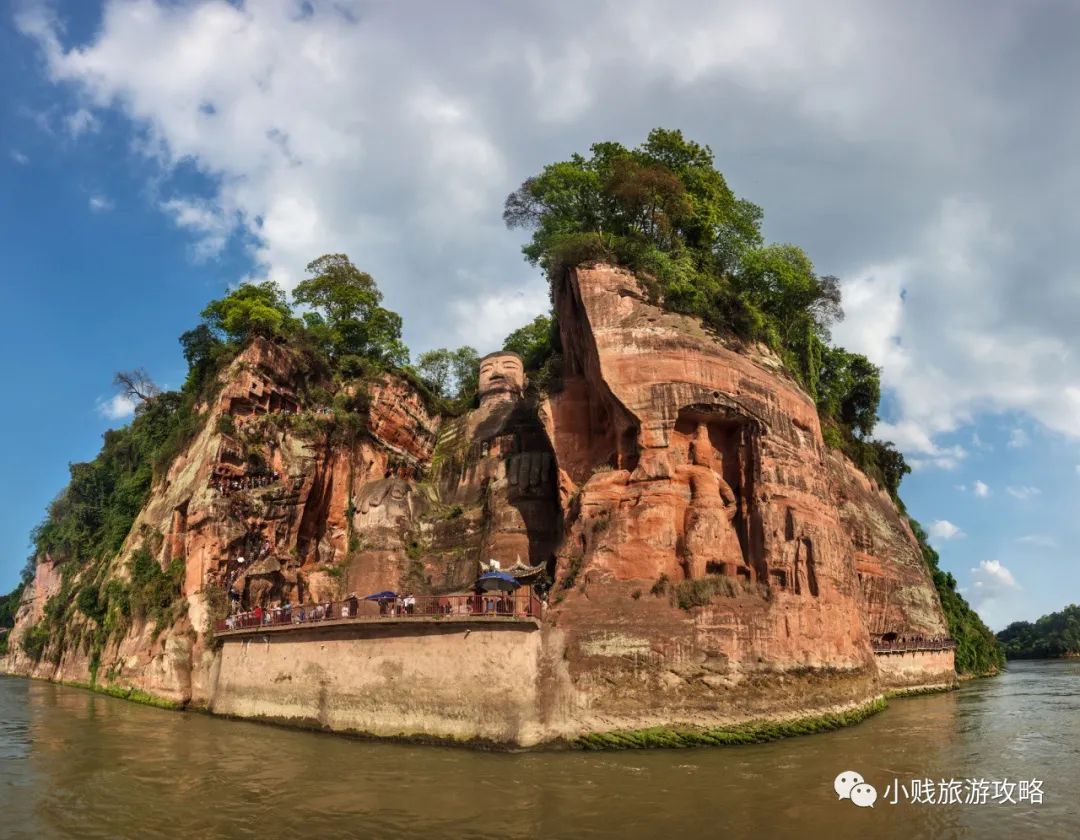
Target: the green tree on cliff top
pixel 663 210
pixel 249 310
pixel 347 318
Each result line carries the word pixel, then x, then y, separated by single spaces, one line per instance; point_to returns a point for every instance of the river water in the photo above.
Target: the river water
pixel 77 764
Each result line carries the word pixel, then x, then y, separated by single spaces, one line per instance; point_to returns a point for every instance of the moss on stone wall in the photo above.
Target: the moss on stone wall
pixel 753 732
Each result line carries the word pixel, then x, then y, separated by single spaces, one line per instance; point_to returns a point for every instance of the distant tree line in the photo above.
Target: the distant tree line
pixel 1051 637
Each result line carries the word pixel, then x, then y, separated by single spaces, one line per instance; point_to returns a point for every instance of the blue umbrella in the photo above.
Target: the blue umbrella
pixel 382 596
pixel 497 580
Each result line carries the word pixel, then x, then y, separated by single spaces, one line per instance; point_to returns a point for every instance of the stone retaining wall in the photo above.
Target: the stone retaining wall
pixel 453 682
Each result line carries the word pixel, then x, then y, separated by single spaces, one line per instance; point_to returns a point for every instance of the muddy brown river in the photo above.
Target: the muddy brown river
pixel 77 764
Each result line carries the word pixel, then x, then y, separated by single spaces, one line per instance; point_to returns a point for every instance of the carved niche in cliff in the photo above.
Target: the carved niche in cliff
pixel 503 463
pixel 385 503
pixel 797 570
pixel 712 453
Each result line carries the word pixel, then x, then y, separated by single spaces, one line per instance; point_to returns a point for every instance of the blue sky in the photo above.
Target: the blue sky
pixel 152 153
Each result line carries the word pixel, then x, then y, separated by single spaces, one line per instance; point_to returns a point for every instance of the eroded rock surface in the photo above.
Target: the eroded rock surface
pixel 712 560
pixel 695 473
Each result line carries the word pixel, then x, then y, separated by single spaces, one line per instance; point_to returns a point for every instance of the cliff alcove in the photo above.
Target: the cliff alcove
pixel 700 538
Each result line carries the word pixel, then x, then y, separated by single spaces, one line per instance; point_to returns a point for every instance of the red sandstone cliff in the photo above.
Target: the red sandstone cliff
pixel 693 471
pixel 712 559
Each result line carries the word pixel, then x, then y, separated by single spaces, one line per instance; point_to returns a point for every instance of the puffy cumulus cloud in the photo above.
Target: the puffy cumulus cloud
pixel 394 133
pixel 950 349
pixel 117 407
pixel 993 591
pixel 339 128
pixel 210 224
pixel 943 529
pixel 991 575
pixel 981 489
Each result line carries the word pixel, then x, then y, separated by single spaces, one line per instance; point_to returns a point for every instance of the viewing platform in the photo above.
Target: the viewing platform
pixel 523 608
pixel 911 644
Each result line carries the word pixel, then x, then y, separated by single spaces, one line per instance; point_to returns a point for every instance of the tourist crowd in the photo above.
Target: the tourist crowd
pixel 227 484
pixel 399 606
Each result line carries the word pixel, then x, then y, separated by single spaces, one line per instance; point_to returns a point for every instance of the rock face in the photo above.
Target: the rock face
pixel 712 560
pixel 697 474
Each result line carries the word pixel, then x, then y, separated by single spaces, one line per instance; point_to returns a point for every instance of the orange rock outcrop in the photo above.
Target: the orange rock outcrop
pixel 711 559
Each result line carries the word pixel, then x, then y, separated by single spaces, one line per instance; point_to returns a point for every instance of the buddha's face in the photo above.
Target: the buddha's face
pixel 500 374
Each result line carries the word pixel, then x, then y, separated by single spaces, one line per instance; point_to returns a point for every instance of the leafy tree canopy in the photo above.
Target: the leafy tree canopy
pixel 452 374
pixel 663 210
pixel 1052 636
pixel 249 310
pixel 348 320
pixel 535 342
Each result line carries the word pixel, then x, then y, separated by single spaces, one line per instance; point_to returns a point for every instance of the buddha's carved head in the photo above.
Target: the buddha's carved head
pixel 501 373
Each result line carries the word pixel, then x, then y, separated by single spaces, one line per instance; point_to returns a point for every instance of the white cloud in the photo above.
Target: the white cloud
pixel 117 407
pixel 338 130
pixel 993 591
pixel 1018 439
pixel 1023 491
pixel 488 320
pixel 980 489
pixel 945 458
pixel 942 376
pixel 393 136
pixel 19 157
pixel 81 122
pixel 100 203
pixel 991 575
pixel 945 530
pixel 211 225
pixel 1038 540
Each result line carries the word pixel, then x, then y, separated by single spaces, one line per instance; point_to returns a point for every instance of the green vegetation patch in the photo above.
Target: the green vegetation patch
pixel 663 211
pixel 754 732
pixel 1052 636
pixel 136 695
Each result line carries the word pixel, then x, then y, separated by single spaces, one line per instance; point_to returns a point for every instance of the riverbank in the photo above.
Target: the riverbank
pixel 80 764
pixel 757 731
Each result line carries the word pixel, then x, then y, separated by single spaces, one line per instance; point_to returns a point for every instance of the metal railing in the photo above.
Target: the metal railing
pixel 492 605
pixel 912 643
